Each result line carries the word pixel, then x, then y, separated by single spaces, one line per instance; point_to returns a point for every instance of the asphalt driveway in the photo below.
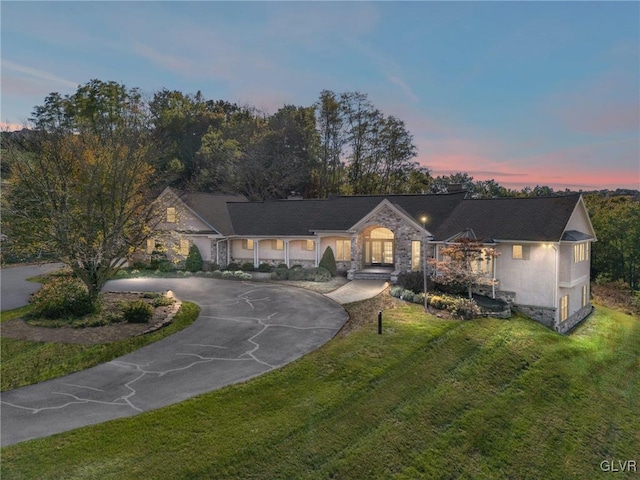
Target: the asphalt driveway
pixel 14 287
pixel 244 330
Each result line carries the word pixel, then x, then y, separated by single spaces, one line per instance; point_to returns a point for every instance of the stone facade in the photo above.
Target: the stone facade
pixel 404 233
pixel 544 315
pixel 573 320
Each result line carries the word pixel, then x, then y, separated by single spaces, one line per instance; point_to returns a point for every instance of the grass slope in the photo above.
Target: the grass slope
pixel 429 398
pixel 25 362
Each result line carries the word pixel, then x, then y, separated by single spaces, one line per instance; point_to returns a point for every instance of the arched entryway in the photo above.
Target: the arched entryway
pixel 379 247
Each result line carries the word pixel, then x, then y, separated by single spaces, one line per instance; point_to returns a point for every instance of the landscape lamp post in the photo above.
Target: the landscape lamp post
pixel 423 220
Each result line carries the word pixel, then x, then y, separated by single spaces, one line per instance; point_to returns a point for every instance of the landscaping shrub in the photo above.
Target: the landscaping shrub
pixel 194 260
pixel 233 266
pixel 162 301
pixel 280 274
pixel 413 281
pixel 265 268
pixel 282 265
pixel 465 308
pixel 216 274
pixel 297 273
pixel 63 297
pixel 137 311
pixel 247 267
pixel 318 274
pixel 458 306
pixel 242 275
pixel 165 266
pixel 210 266
pixel 328 262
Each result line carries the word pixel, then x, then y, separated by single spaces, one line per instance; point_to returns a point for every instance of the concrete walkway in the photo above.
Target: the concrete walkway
pixel 357 290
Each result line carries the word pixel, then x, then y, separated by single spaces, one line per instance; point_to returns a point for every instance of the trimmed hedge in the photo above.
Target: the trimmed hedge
pixel 318 274
pixel 194 261
pixel 328 261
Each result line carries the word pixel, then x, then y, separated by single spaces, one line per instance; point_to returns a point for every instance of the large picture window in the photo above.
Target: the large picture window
pixel 343 250
pixel 248 244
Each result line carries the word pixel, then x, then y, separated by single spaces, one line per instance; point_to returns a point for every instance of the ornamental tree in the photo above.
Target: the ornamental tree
pixel 461 263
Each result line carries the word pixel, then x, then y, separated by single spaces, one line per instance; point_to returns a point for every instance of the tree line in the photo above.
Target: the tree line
pixel 79 182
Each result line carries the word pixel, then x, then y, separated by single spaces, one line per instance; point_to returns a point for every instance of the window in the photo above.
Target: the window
pixel 564 308
pixel 278 244
pixel 172 216
pixel 184 246
pixel 416 249
pixel 343 250
pixel 247 244
pixel 580 252
pixel 585 295
pixel 309 245
pixel 151 245
pixel 520 252
pixel 381 233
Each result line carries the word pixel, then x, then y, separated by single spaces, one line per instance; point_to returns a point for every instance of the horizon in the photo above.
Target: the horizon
pixel 523 93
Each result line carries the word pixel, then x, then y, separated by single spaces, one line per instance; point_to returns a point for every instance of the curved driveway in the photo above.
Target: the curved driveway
pixel 244 330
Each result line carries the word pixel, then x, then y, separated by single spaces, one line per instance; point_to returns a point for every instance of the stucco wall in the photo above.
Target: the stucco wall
pixel 533 280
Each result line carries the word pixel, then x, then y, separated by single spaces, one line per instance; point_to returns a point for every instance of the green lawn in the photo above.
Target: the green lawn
pixel 429 398
pixel 25 363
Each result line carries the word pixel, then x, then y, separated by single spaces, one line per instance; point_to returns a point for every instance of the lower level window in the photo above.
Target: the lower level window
pixel 564 308
pixel 309 245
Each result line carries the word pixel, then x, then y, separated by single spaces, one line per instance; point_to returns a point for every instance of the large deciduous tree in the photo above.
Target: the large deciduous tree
pixel 80 188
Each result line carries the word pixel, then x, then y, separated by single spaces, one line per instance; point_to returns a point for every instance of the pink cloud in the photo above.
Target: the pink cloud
pixel 578 167
pixel 11 127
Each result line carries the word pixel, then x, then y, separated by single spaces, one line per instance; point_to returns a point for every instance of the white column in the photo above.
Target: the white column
pixel 317 242
pixel 286 253
pixel 256 253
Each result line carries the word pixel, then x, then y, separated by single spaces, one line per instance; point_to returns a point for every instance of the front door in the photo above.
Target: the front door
pixel 381 252
pixel 378 248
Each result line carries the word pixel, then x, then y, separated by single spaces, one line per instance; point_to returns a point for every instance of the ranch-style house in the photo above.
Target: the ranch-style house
pixel 544 243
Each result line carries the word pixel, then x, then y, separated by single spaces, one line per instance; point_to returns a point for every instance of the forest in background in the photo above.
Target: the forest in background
pixel 342 144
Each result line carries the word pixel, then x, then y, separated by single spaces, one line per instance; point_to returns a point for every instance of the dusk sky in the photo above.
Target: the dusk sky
pixel 525 93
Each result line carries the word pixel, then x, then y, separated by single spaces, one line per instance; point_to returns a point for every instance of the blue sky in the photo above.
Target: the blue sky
pixel 523 92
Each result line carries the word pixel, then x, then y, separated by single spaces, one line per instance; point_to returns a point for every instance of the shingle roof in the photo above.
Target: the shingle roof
pixel 533 219
pixel 212 208
pixel 301 217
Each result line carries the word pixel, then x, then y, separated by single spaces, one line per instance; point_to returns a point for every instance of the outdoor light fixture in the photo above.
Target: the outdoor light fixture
pixel 423 220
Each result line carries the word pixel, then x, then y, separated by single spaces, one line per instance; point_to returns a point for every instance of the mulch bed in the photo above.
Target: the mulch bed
pixel 19 329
